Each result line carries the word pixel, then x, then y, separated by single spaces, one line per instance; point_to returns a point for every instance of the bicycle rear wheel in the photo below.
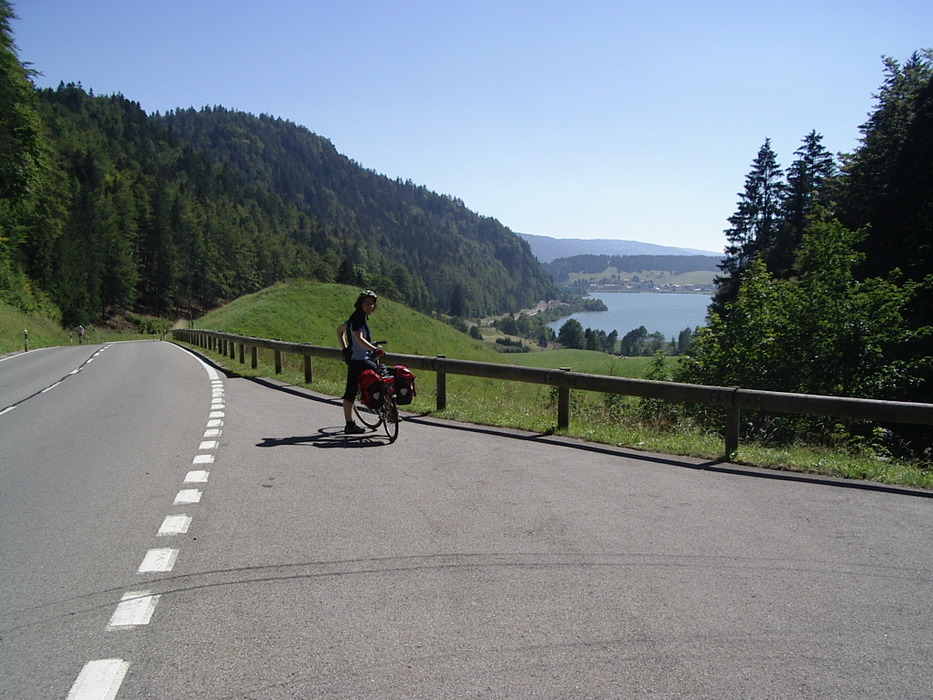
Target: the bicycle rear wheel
pixel 390 420
pixel 369 417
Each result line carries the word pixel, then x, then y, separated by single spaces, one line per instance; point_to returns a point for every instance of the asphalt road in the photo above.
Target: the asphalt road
pixel 170 532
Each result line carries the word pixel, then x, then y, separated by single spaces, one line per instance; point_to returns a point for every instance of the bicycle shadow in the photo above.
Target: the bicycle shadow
pixel 328 438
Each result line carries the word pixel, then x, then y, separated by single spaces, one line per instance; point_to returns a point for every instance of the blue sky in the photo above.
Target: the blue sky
pixel 586 119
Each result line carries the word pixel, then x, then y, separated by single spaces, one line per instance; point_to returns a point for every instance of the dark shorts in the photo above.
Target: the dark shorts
pixel 354 367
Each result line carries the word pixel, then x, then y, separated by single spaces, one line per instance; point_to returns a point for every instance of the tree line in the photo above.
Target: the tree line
pixel 106 210
pixel 561 268
pixel 827 280
pixel 637 342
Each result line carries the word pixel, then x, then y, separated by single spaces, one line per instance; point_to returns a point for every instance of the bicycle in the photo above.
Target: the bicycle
pixel 386 415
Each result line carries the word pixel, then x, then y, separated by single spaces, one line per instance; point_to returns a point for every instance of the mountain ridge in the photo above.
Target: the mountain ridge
pixel 453 259
pixel 547 249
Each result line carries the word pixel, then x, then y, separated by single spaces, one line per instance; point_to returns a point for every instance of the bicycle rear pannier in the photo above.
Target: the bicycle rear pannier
pixel 371 388
pixel 404 384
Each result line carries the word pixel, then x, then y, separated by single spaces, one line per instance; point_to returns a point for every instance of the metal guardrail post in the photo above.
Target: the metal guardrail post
pixel 278 361
pixel 563 404
pixel 254 359
pixel 308 369
pixel 733 426
pixel 441 387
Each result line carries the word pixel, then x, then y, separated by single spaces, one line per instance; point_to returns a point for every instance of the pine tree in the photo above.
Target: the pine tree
pixel 756 224
pixel 22 155
pixel 887 184
pixel 21 146
pixel 808 188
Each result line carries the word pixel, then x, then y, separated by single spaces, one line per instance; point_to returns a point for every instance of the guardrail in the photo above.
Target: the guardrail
pixel 732 399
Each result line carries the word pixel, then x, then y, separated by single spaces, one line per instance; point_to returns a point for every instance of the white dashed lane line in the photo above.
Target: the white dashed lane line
pixel 47 389
pixel 174 525
pixel 158 560
pixel 197 476
pixel 101 679
pixel 135 609
pixel 187 496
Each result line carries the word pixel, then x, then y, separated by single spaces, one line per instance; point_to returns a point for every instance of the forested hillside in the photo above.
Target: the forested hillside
pixel 134 219
pixel 469 264
pixel 106 210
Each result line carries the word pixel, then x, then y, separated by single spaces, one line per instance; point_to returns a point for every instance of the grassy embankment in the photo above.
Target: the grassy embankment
pixel 44 333
pixel 308 312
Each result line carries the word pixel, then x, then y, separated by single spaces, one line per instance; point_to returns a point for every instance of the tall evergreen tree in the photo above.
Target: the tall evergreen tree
pixel 22 154
pixel 808 187
pixel 21 146
pixel 888 183
pixel 756 224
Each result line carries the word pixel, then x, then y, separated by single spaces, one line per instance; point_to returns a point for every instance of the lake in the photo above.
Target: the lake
pixel 668 313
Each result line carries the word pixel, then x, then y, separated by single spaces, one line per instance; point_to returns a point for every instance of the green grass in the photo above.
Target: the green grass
pixel 309 312
pixel 44 333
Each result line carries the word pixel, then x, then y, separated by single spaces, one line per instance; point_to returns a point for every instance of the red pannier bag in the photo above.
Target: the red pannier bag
pixel 371 388
pixel 404 384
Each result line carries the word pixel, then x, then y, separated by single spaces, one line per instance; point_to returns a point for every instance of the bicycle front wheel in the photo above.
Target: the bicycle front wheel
pixel 390 420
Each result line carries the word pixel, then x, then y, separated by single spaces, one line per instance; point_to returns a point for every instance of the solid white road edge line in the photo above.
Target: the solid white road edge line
pixel 211 372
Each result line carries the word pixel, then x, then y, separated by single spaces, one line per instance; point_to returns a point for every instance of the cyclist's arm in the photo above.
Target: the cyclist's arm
pixel 362 342
pixel 342 335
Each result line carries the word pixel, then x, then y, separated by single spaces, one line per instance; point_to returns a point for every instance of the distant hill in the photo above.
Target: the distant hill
pixel 547 249
pixel 694 273
pixel 382 231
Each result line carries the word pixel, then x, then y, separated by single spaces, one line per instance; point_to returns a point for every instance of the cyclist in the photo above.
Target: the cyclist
pixel 359 351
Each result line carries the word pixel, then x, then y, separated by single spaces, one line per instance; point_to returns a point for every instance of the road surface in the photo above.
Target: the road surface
pixel 167 531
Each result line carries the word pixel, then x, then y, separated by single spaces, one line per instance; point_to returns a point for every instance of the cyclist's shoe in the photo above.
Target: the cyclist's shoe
pixel 353 429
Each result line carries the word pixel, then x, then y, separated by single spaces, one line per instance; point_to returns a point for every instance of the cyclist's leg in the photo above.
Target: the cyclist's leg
pixel 349 396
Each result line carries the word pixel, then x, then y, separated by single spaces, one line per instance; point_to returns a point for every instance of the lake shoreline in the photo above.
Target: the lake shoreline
pixel 680 310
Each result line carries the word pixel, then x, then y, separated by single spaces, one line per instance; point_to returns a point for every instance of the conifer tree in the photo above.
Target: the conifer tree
pixel 887 185
pixel 22 153
pixel 756 224
pixel 808 187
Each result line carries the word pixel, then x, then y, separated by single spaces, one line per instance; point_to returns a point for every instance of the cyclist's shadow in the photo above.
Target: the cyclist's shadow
pixel 328 438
